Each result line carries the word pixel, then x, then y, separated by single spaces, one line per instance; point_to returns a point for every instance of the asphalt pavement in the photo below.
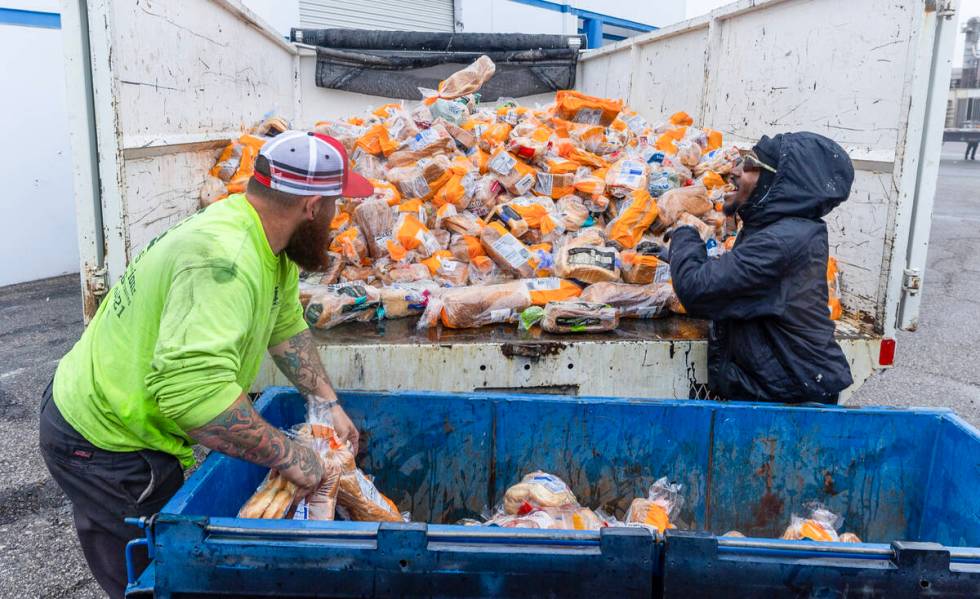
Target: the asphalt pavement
pixel 39 554
pixel 938 365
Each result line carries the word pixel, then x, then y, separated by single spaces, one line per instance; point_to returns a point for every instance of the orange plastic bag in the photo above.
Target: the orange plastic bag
pixel 714 140
pixel 495 135
pixel 466 248
pixel 567 149
pixel 351 245
pixel 712 180
pixel 681 119
pixel 581 108
pixel 412 234
pixel 376 141
pixel 833 288
pixel 633 220
pixel 667 142
pixel 384 190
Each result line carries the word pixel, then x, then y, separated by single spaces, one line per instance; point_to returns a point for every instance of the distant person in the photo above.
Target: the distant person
pixel 169 358
pixel 971 150
pixel 771 337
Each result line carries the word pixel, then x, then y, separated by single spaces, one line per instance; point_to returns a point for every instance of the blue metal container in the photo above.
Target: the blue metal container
pixel 906 481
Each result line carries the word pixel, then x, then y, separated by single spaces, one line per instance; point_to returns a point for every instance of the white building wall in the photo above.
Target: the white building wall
pixel 37 207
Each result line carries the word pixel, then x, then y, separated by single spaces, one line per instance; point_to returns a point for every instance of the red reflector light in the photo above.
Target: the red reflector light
pixel 886 356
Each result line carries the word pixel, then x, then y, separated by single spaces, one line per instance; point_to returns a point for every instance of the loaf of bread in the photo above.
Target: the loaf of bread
pixel 407 299
pixel 374 219
pixel 551 289
pixel 328 306
pixel 538 490
pixel 351 244
pixel 643 269
pixel 692 199
pixel 578 317
pixel 579 259
pixel 263 496
pixel 506 250
pixel 573 212
pixel 635 216
pixel 476 306
pixel 632 301
pixel 705 231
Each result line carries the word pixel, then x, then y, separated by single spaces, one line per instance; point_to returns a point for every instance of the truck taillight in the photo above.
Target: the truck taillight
pixel 886 356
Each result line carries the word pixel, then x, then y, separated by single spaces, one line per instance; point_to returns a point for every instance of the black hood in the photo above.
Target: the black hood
pixel 813 175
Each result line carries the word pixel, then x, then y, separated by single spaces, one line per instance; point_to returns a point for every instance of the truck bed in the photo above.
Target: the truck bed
pixel 672 328
pixel 657 358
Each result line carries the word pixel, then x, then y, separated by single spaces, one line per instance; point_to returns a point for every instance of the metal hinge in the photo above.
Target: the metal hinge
pixel 942 8
pixel 98 281
pixel 911 281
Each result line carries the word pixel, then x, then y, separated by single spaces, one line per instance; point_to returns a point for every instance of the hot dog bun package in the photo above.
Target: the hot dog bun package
pixel 632 301
pixel 329 305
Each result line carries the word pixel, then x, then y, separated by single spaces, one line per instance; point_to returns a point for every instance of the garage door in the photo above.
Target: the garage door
pixel 419 15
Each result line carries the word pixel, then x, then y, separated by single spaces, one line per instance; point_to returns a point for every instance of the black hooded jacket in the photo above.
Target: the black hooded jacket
pixel 772 338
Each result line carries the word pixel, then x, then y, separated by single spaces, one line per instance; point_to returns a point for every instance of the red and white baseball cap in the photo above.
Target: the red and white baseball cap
pixel 306 163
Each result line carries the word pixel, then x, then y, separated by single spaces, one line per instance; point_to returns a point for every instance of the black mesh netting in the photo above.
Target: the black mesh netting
pixel 397 64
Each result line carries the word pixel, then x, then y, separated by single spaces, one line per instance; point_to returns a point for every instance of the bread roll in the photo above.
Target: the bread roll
pixel 649 513
pixel 635 216
pixel 587 263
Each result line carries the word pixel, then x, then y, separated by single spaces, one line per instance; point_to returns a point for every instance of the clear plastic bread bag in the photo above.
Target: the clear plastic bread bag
pixel 657 510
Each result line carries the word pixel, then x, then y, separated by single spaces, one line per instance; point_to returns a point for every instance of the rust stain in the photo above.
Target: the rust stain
pixel 447 427
pixel 533 351
pixel 770 506
pixel 828 483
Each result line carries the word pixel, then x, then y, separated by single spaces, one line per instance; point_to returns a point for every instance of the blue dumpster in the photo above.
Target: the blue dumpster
pixel 906 481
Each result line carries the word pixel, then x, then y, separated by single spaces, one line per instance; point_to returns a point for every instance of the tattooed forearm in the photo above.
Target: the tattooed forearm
pixel 299 360
pixel 241 432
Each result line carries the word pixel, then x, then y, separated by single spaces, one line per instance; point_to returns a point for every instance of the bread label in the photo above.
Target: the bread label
pixel 662 274
pixel 546 182
pixel 469 182
pixel 395 128
pixel 479 129
pixel 447 266
pixel 588 116
pixel 543 284
pixel 423 139
pixel 511 251
pixel 636 123
pixel 524 183
pixel 502 163
pixel 357 155
pixel 418 187
pixel 590 256
pixel 501 315
pixel 510 117
pixel 552 483
pixel 428 241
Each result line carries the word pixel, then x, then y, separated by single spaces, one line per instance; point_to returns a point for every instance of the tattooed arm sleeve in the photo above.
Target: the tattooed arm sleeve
pixel 242 433
pixel 299 360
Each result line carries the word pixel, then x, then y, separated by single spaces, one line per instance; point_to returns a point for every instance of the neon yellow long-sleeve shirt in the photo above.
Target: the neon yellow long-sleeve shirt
pixel 181 334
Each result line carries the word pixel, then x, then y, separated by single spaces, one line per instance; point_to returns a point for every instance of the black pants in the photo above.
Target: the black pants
pixel 971 150
pixel 104 487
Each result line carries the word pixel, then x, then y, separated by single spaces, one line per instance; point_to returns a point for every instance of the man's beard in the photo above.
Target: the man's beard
pixel 308 245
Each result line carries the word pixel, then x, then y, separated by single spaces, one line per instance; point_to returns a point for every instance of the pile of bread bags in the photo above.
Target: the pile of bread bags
pixel 482 211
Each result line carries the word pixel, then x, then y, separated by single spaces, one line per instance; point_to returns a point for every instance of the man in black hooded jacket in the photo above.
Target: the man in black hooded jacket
pixel 771 336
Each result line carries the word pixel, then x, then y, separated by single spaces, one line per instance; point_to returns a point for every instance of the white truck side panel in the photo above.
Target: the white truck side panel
pixel 840 68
